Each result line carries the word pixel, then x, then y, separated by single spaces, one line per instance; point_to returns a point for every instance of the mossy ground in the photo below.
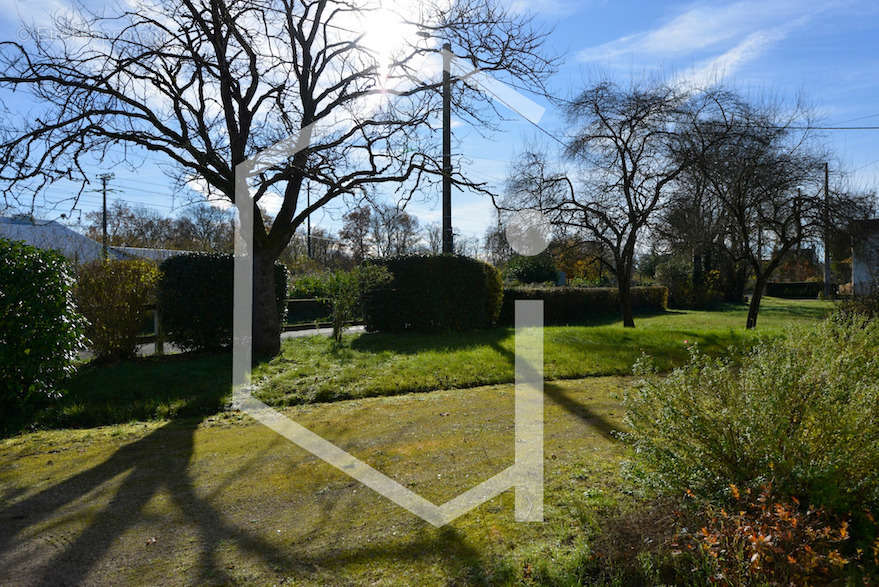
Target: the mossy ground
pixel 223 500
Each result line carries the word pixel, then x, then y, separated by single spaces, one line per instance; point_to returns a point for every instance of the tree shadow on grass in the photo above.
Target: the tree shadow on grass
pixel 560 396
pixel 159 462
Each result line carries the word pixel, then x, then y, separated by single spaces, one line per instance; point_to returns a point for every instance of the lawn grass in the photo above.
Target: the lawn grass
pixel 217 499
pixel 225 501
pixel 143 389
pixel 315 369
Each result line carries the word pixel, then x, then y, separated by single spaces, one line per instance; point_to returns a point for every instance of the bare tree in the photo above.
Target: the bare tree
pixel 356 232
pixel 497 249
pixel 206 84
pixel 394 231
pixel 434 233
pixel 136 226
pixel 626 148
pixel 209 229
pixel 761 164
pixel 468 246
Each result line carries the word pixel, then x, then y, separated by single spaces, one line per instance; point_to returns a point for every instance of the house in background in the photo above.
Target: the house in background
pixel 865 257
pixel 48 234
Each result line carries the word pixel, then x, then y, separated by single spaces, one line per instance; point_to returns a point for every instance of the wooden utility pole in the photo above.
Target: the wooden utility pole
pixel 448 245
pixel 104 177
pixel 827 287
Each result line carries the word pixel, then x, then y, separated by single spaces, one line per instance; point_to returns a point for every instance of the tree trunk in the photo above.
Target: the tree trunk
pixel 697 269
pixel 266 320
pixel 624 285
pixel 754 306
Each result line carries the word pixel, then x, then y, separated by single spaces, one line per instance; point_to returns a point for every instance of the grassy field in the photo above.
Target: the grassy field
pixel 313 369
pixel 222 500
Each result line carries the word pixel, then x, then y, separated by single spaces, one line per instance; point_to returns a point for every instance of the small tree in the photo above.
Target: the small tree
pixel 395 232
pixel 347 289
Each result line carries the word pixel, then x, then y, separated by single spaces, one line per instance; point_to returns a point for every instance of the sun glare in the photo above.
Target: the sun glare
pixel 386 34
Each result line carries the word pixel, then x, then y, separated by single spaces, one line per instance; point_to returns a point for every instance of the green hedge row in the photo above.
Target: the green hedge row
pixel 196 299
pixel 446 292
pixel 800 289
pixel 573 305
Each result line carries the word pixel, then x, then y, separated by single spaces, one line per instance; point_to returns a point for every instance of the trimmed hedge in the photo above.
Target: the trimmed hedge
pixel 793 290
pixel 445 292
pixel 572 305
pixel 196 299
pixel 40 329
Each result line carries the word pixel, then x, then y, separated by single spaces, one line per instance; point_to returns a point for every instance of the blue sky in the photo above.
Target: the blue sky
pixel 824 52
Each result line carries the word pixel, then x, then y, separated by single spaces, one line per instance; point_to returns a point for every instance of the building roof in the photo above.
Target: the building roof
pixel 48 234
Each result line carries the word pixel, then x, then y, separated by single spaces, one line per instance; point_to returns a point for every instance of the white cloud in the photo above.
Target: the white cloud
pixel 715 69
pixel 701 28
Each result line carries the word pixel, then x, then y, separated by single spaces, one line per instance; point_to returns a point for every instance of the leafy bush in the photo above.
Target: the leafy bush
pixel 311 285
pixel 346 293
pixel 760 539
pixel 536 269
pixel 447 292
pixel 112 295
pixel 196 299
pixel 573 305
pixel 867 306
pixel 40 330
pixel 800 412
pixel 677 276
pixel 308 310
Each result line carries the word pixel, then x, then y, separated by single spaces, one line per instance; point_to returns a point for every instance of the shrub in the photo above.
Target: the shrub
pixel 573 305
pixel 867 306
pixel 761 539
pixel 196 299
pixel 677 276
pixel 447 292
pixel 346 293
pixel 40 330
pixel 112 296
pixel 311 285
pixel 800 412
pixel 536 269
